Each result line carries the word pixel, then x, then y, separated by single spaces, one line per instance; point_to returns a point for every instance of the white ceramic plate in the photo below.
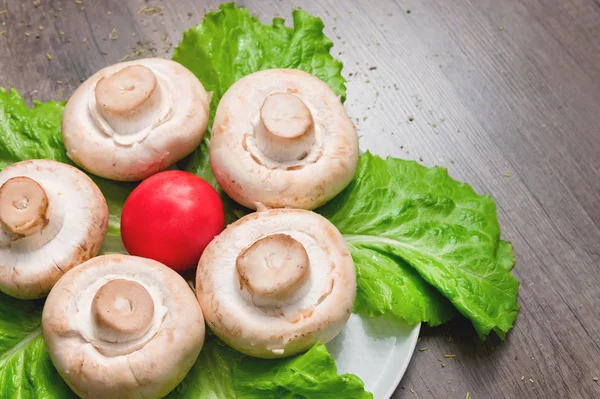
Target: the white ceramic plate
pixel 376 350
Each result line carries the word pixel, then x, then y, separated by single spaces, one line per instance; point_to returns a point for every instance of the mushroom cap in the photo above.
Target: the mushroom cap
pixel 282 137
pixel 76 223
pixel 133 119
pixel 145 365
pixel 276 282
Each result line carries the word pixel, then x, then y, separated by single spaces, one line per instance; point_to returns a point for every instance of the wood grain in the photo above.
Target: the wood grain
pixel 504 93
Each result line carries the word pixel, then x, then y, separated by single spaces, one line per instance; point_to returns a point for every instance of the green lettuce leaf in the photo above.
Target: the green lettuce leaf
pixel 440 227
pixel 386 286
pixel 26 371
pixel 211 377
pixel 29 133
pixel 115 194
pixel 223 373
pixel 311 375
pixel 505 256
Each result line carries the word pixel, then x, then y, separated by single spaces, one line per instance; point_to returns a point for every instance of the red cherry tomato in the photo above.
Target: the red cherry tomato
pixel 171 217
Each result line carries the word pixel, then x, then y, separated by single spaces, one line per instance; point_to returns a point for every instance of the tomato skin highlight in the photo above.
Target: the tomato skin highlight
pixel 171 217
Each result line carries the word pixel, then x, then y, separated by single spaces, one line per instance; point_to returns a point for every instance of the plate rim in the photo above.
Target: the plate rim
pixel 413 338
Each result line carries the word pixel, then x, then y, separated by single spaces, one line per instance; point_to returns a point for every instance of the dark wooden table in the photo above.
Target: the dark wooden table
pixel 504 93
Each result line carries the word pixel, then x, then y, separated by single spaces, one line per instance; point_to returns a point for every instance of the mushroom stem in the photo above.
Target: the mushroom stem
pixel 122 311
pixel 129 100
pixel 274 270
pixel 23 206
pixel 285 131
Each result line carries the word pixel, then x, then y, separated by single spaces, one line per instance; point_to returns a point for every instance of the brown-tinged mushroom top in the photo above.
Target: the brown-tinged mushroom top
pixel 273 269
pixel 23 206
pixel 120 326
pixel 136 118
pixel 122 310
pixel 276 282
pixel 282 137
pixel 52 218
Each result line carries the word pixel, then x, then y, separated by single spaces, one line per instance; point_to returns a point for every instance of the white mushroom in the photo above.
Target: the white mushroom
pixel 276 282
pixel 133 119
pixel 282 137
pixel 52 218
pixel 122 327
